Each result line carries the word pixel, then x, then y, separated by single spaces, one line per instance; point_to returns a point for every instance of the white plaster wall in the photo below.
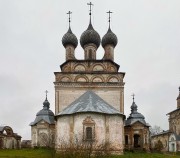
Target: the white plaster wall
pixel 99 126
pixel 62 130
pixel 37 130
pixel 116 132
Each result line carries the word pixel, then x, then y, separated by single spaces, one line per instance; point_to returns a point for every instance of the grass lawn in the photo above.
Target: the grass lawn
pixel 45 153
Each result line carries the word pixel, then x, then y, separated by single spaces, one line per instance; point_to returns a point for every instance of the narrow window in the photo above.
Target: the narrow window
pixel 90 54
pixel 89 133
pixel 88 129
pixel 126 140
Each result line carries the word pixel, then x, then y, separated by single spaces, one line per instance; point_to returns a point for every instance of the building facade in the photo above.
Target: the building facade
pixel 85 79
pixel 136 131
pixel 43 127
pixel 171 138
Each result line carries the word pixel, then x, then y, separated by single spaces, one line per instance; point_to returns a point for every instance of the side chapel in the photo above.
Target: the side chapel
pixel 137 135
pixel 170 139
pixel 89 93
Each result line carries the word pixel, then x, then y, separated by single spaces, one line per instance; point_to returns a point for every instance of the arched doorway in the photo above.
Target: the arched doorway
pixel 136 141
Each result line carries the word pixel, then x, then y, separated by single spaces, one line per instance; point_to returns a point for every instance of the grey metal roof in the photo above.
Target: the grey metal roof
pixel 45 114
pixel 161 133
pixel 135 116
pixel 89 102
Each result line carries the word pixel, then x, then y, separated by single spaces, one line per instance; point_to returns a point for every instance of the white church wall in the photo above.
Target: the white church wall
pixel 116 132
pixel 62 131
pixel 108 129
pixel 99 126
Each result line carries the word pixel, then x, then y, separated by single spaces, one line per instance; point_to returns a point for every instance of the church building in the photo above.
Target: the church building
pixel 136 130
pixel 89 93
pixel 43 127
pixel 170 139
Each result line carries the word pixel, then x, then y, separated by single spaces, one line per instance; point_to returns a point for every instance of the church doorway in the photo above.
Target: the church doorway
pixel 136 141
pixel 173 147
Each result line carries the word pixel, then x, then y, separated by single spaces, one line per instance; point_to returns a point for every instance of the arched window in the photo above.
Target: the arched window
pixel 88 133
pixel 88 129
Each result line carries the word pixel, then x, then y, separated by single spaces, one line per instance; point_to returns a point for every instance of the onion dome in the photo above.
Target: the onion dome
pixel 69 38
pixel 135 116
pixel 134 113
pixel 90 36
pixel 109 38
pixel 45 114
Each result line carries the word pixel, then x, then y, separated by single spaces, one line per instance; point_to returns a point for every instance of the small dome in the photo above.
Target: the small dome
pixel 69 38
pixel 45 112
pixel 109 38
pixel 46 104
pixel 90 36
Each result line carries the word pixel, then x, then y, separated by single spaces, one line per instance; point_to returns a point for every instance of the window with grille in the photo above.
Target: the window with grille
pixel 89 133
pixel 88 129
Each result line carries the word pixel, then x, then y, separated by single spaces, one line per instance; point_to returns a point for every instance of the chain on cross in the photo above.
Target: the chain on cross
pixel 90 5
pixel 109 12
pixel 46 93
pixel 133 96
pixel 69 13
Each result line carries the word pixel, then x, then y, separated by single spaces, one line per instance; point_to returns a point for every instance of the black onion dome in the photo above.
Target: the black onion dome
pixel 45 114
pixel 90 36
pixel 109 38
pixel 45 110
pixel 69 38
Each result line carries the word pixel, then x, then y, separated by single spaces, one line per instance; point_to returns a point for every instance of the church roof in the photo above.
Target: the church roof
pixel 135 116
pixel 45 114
pixel 89 102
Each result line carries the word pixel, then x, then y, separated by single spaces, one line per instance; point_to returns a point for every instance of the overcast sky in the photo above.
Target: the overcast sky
pixel 148 51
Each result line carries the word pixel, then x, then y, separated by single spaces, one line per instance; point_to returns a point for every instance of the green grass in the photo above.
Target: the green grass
pixel 45 153
pixel 25 153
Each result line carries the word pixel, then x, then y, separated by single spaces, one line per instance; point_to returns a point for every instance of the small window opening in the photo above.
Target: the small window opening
pixel 126 140
pixel 89 133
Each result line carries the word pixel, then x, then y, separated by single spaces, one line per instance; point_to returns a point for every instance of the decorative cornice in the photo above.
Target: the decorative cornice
pixel 85 85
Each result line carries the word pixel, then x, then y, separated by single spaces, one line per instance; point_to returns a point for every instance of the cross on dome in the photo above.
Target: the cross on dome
pixel 46 94
pixel 90 4
pixel 109 19
pixel 69 14
pixel 133 96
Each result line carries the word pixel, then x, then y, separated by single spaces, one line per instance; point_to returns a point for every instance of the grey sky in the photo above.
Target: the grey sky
pixel 148 51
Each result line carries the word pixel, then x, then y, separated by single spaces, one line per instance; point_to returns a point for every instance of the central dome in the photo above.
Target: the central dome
pixel 90 36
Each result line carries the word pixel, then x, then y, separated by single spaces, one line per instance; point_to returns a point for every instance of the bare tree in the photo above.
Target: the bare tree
pixel 155 130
